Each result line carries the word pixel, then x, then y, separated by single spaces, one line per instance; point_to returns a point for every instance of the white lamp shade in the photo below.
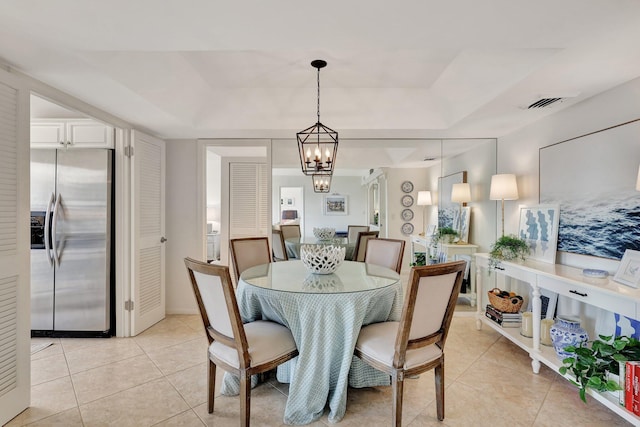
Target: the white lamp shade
pixel 424 198
pixel 503 187
pixel 638 181
pixel 461 193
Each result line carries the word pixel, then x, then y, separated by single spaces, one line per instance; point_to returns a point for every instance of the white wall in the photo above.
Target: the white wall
pixel 183 231
pixel 394 207
pixel 518 153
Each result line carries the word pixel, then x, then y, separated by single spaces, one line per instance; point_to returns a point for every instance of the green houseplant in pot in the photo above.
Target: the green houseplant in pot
pixel 442 235
pixel 591 365
pixel 508 248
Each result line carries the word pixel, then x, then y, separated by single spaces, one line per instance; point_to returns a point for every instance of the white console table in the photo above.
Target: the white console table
pixel 568 282
pixel 451 250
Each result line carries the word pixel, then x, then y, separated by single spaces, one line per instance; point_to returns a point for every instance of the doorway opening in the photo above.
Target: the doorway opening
pixel 292 206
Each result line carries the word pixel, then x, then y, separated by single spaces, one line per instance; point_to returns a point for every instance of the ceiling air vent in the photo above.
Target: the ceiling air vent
pixel 544 102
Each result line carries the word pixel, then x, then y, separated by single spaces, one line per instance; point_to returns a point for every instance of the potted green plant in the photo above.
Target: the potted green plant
pixel 420 258
pixel 592 364
pixel 508 248
pixel 444 235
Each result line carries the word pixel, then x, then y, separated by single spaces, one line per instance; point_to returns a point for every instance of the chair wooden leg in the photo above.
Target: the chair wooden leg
pixel 398 387
pixel 211 386
pixel 245 399
pixel 439 375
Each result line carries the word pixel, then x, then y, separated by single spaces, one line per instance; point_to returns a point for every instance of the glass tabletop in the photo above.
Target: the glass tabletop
pixel 306 240
pixel 293 276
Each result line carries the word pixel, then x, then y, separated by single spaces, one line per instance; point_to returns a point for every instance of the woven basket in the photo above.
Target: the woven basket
pixel 505 305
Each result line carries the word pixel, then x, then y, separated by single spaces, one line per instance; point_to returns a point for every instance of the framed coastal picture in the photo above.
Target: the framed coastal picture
pixel 593 178
pixel 334 204
pixel 461 221
pixel 448 210
pixel 629 270
pixel 539 227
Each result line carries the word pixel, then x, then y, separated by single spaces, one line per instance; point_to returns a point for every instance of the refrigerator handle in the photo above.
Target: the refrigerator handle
pixel 54 245
pixel 47 230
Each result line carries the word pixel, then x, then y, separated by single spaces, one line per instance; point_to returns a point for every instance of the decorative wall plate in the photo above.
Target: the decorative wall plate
pixel 407 214
pixel 407 187
pixel 407 201
pixel 407 228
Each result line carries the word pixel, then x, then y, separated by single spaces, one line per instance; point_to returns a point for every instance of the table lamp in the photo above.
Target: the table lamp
pixel 638 181
pixel 461 193
pixel 503 187
pixel 424 199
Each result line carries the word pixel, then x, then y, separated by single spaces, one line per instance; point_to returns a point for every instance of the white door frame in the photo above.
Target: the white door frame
pixel 201 198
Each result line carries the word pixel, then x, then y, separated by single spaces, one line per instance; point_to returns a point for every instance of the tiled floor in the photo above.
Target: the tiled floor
pixel 159 379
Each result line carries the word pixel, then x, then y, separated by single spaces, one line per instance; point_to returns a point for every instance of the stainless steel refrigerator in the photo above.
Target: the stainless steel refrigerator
pixel 71 242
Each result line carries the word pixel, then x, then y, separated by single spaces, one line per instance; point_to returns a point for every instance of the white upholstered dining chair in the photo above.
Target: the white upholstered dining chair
pixel 247 252
pixel 415 344
pixel 353 230
pixel 279 248
pixel 360 249
pixel 385 252
pixel 290 230
pixel 242 349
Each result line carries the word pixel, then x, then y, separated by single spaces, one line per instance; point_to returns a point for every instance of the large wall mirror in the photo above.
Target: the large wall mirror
pixel 368 173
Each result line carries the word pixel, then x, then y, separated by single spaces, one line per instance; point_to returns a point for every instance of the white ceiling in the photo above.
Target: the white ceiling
pixel 402 69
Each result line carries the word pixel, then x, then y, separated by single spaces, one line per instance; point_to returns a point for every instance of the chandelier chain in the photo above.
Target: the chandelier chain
pixel 318 95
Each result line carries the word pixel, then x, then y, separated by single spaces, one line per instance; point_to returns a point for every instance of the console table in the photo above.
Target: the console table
pixel 568 282
pixel 451 250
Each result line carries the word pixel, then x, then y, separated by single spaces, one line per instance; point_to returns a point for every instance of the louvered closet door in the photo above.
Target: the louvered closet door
pixel 148 287
pixel 248 200
pixel 14 249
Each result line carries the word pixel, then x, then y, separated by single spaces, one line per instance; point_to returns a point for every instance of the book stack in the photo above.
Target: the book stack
pixel 631 386
pixel 506 320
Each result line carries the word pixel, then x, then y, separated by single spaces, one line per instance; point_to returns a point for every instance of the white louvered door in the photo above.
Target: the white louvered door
pixel 15 325
pixel 248 200
pixel 148 285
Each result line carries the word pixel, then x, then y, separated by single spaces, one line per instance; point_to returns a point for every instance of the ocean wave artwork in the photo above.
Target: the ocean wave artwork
pixel 593 179
pixel 604 226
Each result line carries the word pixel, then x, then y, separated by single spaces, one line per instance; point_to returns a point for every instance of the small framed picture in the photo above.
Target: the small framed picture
pixel 629 271
pixel 335 205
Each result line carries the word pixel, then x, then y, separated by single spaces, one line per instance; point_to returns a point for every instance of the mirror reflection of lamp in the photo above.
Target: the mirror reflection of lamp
pixel 461 193
pixel 503 187
pixel 638 181
pixel 213 219
pixel 424 199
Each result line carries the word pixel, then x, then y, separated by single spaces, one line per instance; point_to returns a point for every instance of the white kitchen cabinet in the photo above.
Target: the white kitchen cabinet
pixel 58 133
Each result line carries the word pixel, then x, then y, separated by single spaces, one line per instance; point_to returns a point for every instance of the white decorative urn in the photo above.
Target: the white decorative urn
pixel 322 259
pixel 324 233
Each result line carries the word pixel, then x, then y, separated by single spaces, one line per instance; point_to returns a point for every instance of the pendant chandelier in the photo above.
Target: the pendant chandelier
pixel 318 144
pixel 321 183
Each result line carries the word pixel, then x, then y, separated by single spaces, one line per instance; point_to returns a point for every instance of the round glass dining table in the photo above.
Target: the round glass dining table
pixel 292 245
pixel 325 314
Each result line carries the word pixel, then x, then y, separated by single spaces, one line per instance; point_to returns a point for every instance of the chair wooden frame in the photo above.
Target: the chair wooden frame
pixel 277 235
pixel 240 343
pixel 286 230
pixel 400 242
pixel 362 228
pixel 233 243
pixel 397 371
pixel 367 235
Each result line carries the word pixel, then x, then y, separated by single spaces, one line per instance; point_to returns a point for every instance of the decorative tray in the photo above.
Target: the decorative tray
pixel 592 272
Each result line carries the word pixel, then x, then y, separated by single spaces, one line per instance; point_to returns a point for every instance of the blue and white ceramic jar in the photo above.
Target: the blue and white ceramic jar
pixel 565 332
